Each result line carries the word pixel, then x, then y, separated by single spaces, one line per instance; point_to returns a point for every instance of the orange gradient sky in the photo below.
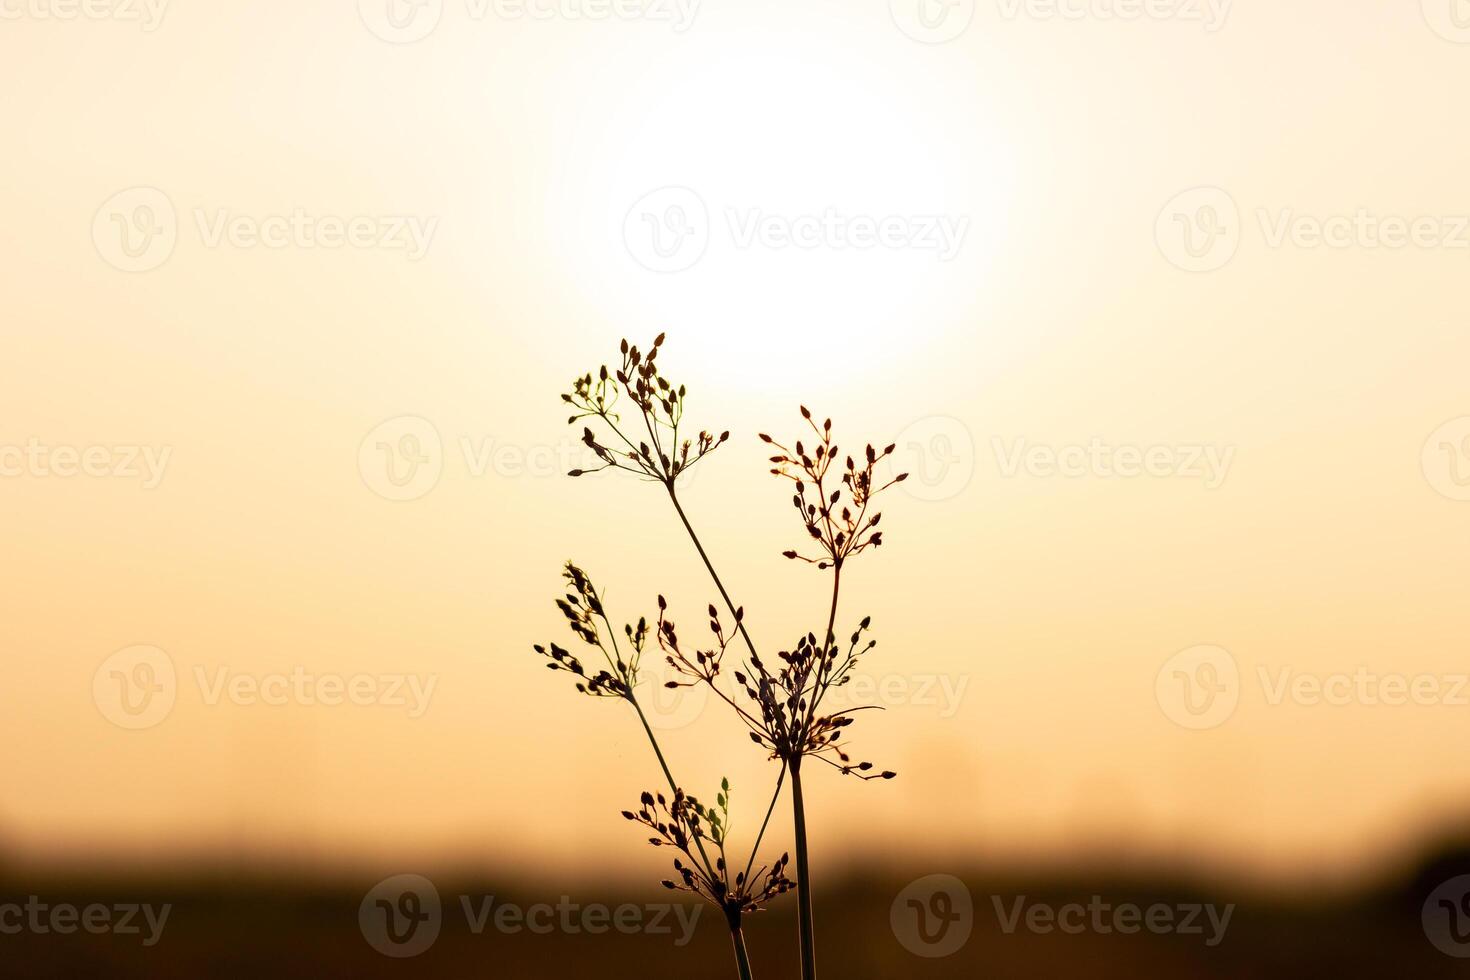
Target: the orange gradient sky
pixel 1024 616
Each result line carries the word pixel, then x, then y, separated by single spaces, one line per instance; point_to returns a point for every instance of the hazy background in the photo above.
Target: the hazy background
pixel 1025 619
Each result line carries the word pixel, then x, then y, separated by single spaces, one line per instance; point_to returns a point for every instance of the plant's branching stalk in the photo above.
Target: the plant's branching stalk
pixel 786 719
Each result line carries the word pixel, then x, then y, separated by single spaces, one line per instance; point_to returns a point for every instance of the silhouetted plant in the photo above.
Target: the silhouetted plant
pixel 750 889
pixel 835 507
pixel 684 823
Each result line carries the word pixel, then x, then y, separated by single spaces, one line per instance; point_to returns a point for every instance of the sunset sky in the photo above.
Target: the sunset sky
pixel 272 254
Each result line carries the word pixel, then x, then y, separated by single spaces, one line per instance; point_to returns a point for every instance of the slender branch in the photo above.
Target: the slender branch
pixel 673 785
pixel 764 823
pixel 739 621
pixel 742 958
pixel 827 641
pixel 803 878
pixel 803 884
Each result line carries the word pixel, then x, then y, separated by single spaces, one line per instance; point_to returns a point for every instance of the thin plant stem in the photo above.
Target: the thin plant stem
pixel 803 883
pixel 829 641
pixel 742 958
pixel 803 878
pixel 739 622
pixel 766 822
pixel 648 730
pixel 673 786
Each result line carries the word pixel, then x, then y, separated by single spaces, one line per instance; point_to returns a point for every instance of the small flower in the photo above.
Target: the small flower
pixel 685 824
pixel 583 609
pixel 659 453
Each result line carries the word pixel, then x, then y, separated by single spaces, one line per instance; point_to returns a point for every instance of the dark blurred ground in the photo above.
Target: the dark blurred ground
pixel 258 924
